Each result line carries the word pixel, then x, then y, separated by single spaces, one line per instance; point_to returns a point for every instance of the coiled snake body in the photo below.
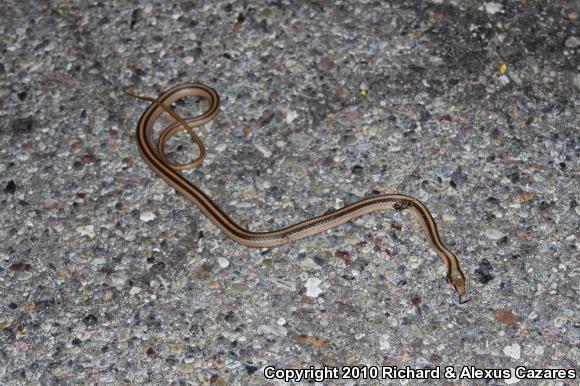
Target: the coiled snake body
pixel 157 160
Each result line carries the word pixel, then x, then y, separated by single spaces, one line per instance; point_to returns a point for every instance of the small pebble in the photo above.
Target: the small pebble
pixel 24 276
pixel 272 330
pixel 493 8
pixel 364 88
pixel 99 261
pixel 343 255
pixel 267 117
pixel 134 290
pixel 24 125
pixel 513 351
pixel 309 264
pixel 512 380
pixel 569 14
pixel 223 262
pixel 147 216
pixel 357 169
pixel 504 316
pixel 20 267
pixel 504 80
pixel 572 42
pixel 230 316
pixel 90 320
pixel 10 187
pixel 185 368
pixel 264 150
pixel 449 218
pixel 291 116
pixel 313 287
pixel 484 272
pixel 383 255
pixel 574 334
pixel 119 279
pixel 494 234
pixel 384 343
pixel 87 230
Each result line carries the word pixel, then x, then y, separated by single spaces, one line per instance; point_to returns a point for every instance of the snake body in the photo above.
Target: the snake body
pixel 168 170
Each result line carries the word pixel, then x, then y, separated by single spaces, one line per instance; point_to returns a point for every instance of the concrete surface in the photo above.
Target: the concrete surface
pixel 108 276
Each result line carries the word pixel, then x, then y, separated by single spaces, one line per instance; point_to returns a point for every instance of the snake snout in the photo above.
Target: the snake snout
pixel 457 281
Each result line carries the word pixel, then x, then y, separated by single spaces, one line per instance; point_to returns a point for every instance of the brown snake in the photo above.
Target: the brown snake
pixel 157 160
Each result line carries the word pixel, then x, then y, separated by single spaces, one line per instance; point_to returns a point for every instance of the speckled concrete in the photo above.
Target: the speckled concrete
pixel 108 276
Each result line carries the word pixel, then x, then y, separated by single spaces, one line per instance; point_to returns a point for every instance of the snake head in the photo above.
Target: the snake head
pixel 457 281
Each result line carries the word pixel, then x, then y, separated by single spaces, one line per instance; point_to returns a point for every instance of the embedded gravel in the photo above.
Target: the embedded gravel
pixel 108 276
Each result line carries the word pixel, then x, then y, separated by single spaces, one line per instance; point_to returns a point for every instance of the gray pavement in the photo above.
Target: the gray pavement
pixel 108 276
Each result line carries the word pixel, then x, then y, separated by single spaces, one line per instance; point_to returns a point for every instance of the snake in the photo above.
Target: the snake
pixel 155 157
